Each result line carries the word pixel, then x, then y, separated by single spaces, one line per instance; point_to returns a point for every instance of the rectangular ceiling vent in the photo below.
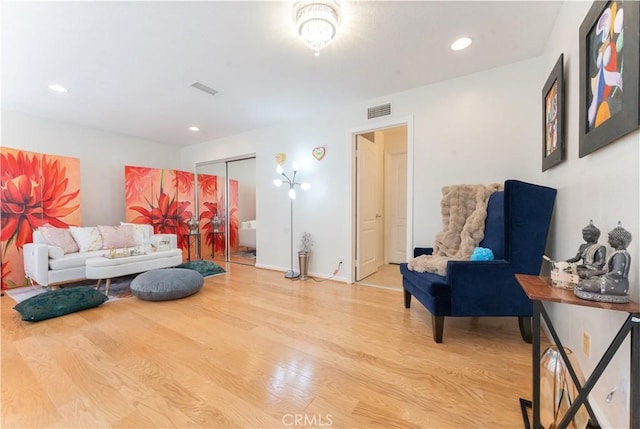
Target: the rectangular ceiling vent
pixel 377 111
pixel 204 88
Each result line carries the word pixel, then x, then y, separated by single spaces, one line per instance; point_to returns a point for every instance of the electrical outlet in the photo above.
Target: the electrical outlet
pixel 586 344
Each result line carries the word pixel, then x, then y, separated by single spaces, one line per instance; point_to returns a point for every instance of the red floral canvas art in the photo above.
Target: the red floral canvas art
pixel 35 190
pixel 161 198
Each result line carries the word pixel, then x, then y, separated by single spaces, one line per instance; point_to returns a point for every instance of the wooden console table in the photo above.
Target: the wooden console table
pixel 539 290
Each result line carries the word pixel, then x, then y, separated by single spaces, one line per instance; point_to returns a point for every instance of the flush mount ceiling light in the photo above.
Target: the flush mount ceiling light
pixel 58 88
pixel 461 43
pixel 316 22
pixel 194 128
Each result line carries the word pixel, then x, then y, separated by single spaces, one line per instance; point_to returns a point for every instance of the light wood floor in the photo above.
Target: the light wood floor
pixel 253 349
pixel 387 276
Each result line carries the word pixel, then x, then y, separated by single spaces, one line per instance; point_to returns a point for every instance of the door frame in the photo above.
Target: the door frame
pixel 377 125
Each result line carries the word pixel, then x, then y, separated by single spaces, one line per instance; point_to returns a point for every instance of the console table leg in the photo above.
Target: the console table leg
pixel 537 305
pixel 634 381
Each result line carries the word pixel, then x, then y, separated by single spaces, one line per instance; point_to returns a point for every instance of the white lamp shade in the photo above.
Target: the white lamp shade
pixel 296 166
pixel 277 182
pixel 279 169
pixel 292 194
pixel 305 186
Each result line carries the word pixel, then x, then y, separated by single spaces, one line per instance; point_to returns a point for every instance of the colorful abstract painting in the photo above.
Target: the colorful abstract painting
pixel 551 115
pixel 605 66
pixel 609 74
pixel 164 199
pixel 36 189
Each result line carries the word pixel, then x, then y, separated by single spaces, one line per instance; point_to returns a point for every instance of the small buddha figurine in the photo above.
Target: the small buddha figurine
pixel 592 254
pixel 610 284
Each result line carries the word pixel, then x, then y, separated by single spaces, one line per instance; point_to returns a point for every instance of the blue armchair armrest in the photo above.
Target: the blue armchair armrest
pixel 417 251
pixel 486 288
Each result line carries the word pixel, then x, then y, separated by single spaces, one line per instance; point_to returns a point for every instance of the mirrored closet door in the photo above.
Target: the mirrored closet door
pixel 227 210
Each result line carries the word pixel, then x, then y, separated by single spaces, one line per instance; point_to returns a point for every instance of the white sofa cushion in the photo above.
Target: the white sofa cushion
pixel 55 252
pixel 72 260
pixel 87 237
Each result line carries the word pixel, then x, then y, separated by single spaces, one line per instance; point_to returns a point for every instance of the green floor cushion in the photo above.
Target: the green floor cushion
pixel 59 302
pixel 166 283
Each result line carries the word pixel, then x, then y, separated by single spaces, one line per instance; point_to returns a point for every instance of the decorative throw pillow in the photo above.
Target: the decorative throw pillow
pixel 55 252
pixel 59 237
pixel 116 237
pixel 141 232
pixel 87 237
pixel 482 254
pixel 59 302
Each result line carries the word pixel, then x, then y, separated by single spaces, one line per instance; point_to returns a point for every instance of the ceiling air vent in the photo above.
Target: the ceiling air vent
pixel 204 88
pixel 377 111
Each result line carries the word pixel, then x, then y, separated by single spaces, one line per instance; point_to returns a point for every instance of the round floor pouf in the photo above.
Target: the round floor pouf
pixel 166 283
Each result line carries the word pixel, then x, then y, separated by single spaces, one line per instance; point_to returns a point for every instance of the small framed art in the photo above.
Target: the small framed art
pixel 608 73
pixel 553 147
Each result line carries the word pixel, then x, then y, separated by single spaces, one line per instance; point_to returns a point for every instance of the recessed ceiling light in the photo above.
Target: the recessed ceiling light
pixel 461 44
pixel 194 129
pixel 58 88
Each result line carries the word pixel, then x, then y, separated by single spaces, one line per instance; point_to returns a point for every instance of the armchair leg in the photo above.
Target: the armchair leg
pixel 407 298
pixel 525 329
pixel 437 323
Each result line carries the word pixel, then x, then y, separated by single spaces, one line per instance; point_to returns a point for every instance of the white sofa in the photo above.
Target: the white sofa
pixel 48 266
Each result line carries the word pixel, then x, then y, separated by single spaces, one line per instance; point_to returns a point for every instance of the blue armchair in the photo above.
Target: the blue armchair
pixel 516 230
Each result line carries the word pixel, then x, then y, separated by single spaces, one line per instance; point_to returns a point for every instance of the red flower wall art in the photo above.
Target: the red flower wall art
pixel 166 200
pixel 161 198
pixel 35 189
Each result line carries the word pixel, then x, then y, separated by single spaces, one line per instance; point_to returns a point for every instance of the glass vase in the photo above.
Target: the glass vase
pixel 557 391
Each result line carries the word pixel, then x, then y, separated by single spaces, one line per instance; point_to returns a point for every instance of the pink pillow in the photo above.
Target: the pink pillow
pixel 116 237
pixel 59 237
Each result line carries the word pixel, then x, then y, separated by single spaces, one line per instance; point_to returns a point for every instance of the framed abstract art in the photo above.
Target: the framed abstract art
pixel 609 51
pixel 553 147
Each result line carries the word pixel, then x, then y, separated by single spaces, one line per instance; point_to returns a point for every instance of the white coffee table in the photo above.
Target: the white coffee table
pixel 104 268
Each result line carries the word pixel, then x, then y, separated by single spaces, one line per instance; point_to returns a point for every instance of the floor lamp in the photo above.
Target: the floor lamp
pixel 291 274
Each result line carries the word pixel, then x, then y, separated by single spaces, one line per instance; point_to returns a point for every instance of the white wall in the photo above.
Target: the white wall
pixel 602 186
pixel 102 156
pixel 465 131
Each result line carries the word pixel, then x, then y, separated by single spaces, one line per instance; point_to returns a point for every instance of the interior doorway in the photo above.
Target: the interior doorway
pixel 380 205
pixel 229 210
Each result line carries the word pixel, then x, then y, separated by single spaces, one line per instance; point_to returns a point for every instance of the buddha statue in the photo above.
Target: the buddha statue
pixel 592 254
pixel 611 283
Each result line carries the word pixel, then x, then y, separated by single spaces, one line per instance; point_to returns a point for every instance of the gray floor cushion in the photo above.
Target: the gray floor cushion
pixel 166 283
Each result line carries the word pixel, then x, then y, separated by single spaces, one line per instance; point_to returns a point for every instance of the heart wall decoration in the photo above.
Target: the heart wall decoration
pixel 319 152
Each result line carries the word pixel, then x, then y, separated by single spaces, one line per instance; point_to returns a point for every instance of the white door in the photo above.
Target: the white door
pixel 368 216
pixel 396 214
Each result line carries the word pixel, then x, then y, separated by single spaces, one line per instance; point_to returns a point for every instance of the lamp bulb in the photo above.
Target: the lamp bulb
pixel 296 167
pixel 277 182
pixel 305 186
pixel 292 194
pixel 279 169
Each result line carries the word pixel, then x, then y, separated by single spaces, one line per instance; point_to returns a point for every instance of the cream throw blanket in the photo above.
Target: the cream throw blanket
pixel 464 210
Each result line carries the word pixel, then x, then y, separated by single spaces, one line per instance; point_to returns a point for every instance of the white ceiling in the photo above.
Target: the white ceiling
pixel 129 66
